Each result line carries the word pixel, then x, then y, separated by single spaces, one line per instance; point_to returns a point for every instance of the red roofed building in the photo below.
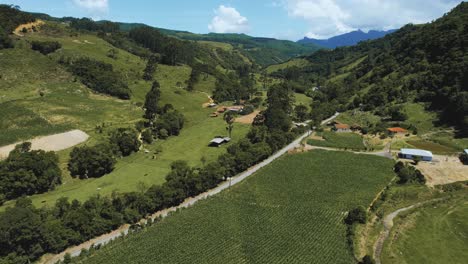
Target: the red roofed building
pixel 341 128
pixel 397 130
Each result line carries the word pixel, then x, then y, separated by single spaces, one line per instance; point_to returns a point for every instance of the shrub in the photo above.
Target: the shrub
pixel 46 47
pixel 91 162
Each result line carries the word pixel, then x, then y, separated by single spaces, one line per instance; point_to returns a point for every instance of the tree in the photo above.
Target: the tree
pixel 464 158
pixel 301 112
pixel 92 162
pixel 229 118
pixel 151 67
pixel 125 140
pixel 367 260
pixel 356 215
pixel 152 100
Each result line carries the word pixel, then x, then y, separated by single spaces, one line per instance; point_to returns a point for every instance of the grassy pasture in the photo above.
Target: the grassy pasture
pixel 432 234
pixel 339 140
pixel 68 105
pixel 289 212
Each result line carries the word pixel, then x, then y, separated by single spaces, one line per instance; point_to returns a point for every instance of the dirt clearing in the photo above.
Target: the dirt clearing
pixel 443 170
pixel 247 119
pixel 50 143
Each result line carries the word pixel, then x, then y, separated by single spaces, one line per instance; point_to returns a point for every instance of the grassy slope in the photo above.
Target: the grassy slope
pixel 339 140
pixel 433 234
pixel 68 104
pixel 289 212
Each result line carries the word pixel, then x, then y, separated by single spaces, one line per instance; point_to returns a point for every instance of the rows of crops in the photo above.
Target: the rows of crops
pixel 339 140
pixel 289 212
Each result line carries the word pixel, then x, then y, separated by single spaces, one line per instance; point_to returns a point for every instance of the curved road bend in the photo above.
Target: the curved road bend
pixel 106 238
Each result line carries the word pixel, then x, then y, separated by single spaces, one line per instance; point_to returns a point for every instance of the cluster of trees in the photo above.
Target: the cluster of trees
pixel 408 174
pixel 27 172
pixel 235 86
pixel 99 160
pixel 100 77
pixel 163 121
pixel 90 25
pixel 46 47
pixel 173 51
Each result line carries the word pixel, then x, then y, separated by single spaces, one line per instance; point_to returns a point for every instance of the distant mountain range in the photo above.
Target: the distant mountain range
pixel 348 39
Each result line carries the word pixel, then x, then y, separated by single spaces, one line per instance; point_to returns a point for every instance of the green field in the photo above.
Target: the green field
pixel 433 234
pixel 289 212
pixel 67 104
pixel 338 140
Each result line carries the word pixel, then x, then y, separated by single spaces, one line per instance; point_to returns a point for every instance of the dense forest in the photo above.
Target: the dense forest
pixel 423 63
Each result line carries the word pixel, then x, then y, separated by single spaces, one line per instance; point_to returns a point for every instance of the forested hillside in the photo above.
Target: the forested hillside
pixel 419 63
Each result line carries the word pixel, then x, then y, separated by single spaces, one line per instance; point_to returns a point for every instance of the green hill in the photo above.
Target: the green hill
pixel 418 63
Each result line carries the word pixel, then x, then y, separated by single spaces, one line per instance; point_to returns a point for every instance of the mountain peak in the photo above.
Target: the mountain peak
pixel 347 39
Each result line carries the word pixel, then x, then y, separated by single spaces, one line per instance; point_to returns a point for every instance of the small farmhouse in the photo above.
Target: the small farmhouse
pixel 218 141
pixel 341 128
pixel 413 153
pixel 397 131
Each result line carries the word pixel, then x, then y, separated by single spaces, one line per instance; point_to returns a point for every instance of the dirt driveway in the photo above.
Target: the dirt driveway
pixel 51 143
pixel 443 170
pixel 247 119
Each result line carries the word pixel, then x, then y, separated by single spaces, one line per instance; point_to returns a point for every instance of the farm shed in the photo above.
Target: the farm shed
pixel 412 153
pixel 218 141
pixel 466 151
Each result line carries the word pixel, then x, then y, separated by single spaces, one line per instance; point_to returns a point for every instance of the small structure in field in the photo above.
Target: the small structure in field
pixel 211 105
pixel 466 151
pixel 397 131
pixel 341 128
pixel 425 155
pixel 215 114
pixel 221 109
pixel 218 141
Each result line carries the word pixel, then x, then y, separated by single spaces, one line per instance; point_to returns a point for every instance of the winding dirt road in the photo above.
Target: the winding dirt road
pixel 123 230
pixel 388 224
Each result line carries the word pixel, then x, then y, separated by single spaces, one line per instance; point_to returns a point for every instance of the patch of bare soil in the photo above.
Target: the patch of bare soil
pixel 443 170
pixel 247 119
pixel 19 30
pixel 55 142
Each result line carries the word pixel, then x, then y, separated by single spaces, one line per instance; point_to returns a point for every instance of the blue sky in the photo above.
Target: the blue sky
pixel 284 19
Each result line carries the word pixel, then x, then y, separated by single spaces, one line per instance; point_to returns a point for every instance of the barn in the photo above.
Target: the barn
pixel 412 153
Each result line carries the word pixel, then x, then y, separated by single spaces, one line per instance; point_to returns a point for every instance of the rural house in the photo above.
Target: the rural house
pixel 413 153
pixel 341 128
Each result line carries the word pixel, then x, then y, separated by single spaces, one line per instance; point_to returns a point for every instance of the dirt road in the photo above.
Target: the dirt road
pixel 123 230
pixel 55 142
pixel 388 224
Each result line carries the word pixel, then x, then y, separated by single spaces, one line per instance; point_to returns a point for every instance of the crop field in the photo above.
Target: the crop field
pixel 338 140
pixel 433 234
pixel 290 212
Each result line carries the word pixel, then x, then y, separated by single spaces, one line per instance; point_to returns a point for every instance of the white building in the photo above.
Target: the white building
pixel 413 153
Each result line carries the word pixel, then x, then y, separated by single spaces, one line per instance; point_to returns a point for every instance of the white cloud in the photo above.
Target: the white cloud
pixel 93 6
pixel 327 18
pixel 228 20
